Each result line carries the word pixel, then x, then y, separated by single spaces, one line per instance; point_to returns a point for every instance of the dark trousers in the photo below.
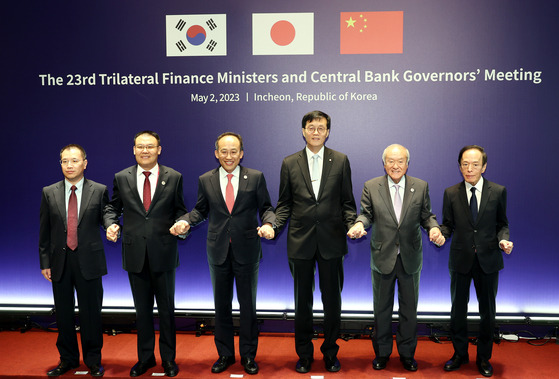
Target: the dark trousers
pixel 145 286
pixel 331 279
pixel 486 291
pixel 90 301
pixel 246 280
pixel 383 302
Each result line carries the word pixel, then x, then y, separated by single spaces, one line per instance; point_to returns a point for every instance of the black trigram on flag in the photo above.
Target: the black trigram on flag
pixel 211 24
pixel 211 45
pixel 181 46
pixel 180 25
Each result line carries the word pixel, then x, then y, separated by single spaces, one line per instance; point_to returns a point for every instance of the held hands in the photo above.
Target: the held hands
pixel 436 237
pixel 266 231
pixel 357 231
pixel 112 232
pixel 506 246
pixel 180 227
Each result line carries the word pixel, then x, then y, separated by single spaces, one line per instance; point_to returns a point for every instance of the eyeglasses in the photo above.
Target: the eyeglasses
pixel 312 129
pixel 66 162
pixel 474 166
pixel 143 147
pixel 400 162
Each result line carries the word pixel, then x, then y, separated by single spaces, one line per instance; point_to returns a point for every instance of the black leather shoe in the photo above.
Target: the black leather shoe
pixel 61 369
pixel 379 363
pixel 455 362
pixel 250 365
pixel 222 364
pixel 97 370
pixel 170 367
pixel 303 365
pixel 332 364
pixel 141 367
pixel 484 367
pixel 409 364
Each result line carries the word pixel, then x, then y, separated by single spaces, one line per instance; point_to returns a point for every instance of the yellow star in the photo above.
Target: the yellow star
pixel 350 22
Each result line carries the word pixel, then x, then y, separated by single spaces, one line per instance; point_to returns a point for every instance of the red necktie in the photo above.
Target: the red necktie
pixel 229 193
pixel 72 233
pixel 147 191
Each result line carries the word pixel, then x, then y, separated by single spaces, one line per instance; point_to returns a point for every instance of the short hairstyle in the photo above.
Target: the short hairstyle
pixel 311 116
pixel 151 133
pixel 393 145
pixel 238 136
pixel 74 146
pixel 476 147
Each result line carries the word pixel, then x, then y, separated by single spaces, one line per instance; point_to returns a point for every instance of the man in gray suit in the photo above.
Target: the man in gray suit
pixel 396 206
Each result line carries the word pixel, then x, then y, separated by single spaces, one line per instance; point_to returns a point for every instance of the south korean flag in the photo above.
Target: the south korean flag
pixel 195 35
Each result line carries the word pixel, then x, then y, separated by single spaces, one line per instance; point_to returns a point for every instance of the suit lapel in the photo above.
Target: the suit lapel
pixel 243 184
pixel 409 193
pixel 60 198
pixel 162 180
pixel 326 167
pixel 485 196
pixel 216 187
pixel 87 193
pixel 464 201
pixel 132 179
pixel 304 167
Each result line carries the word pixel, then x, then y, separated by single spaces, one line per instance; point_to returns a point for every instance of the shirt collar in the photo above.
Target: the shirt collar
pixel 153 171
pixel 236 172
pixel 310 153
pixel 478 186
pixel 68 185
pixel 402 182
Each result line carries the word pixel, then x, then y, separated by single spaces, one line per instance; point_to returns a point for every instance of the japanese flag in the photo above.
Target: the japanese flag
pixel 282 33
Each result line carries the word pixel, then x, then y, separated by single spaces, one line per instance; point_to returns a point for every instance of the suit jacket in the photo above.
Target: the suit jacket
pixel 237 227
pixel 387 234
pixel 480 237
pixel 316 222
pixel 52 234
pixel 147 231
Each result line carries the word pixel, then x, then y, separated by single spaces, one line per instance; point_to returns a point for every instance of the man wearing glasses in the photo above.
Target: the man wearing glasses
pixel 73 258
pixel 149 198
pixel 316 193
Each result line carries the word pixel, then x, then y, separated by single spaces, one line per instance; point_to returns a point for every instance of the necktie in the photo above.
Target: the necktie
pixel 397 202
pixel 72 233
pixel 229 193
pixel 147 191
pixel 315 174
pixel 473 203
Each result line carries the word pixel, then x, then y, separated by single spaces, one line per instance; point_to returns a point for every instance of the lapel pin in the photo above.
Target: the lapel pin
pixel 245 177
pixel 330 160
pixel 163 183
pixel 412 189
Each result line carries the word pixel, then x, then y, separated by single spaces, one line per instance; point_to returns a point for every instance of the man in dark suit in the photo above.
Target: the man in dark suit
pixel 396 206
pixel 231 197
pixel 72 257
pixel 149 197
pixel 475 214
pixel 316 193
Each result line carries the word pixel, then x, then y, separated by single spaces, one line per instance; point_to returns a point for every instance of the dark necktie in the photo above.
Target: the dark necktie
pixel 72 233
pixel 473 203
pixel 147 191
pixel 229 193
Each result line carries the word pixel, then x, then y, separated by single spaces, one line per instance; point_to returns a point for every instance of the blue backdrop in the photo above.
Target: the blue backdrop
pixel 487 51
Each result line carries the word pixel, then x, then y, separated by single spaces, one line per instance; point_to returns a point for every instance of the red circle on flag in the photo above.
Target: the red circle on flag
pixel 282 33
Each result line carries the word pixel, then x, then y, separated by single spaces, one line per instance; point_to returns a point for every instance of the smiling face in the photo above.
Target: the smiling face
pixel 396 162
pixel 229 152
pixel 146 151
pixel 471 166
pixel 73 164
pixel 315 133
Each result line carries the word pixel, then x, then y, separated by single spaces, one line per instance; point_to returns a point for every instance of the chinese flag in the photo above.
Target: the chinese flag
pixel 372 32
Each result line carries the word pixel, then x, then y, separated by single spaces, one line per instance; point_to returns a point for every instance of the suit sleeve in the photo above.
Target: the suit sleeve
pixel 265 208
pixel 201 210
pixel 447 227
pixel 113 210
pixel 348 201
pixel 428 218
pixel 285 198
pixel 366 216
pixel 44 232
pixel 502 220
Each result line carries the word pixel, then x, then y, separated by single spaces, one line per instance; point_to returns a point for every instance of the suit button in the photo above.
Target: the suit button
pixel 397 243
pixel 317 222
pixel 475 230
pixel 317 203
